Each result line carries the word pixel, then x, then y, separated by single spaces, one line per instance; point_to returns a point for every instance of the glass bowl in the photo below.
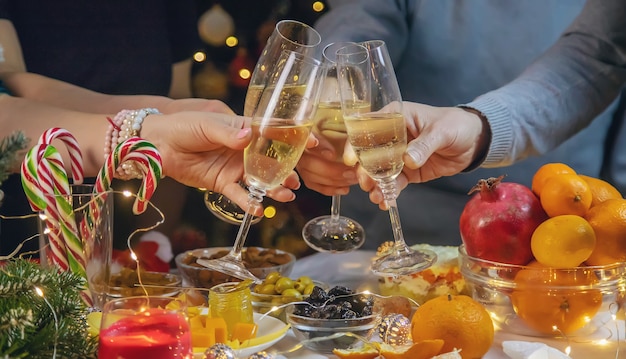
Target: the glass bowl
pixel 125 283
pixel 546 302
pixel 275 303
pixel 307 327
pixel 260 261
pixel 443 277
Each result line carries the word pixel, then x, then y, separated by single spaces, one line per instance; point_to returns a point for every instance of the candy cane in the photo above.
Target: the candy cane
pixel 47 186
pixel 32 184
pixel 76 157
pixel 149 160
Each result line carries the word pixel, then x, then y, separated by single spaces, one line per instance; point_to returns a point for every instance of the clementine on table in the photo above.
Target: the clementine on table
pixel 423 349
pixel 601 190
pixel 545 172
pixel 608 220
pixel 364 352
pixel 565 194
pixel 459 320
pixel 563 241
pixel 549 299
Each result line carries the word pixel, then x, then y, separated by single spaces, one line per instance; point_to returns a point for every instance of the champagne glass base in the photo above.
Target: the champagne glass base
pixel 403 262
pixel 326 235
pixel 225 209
pixel 229 266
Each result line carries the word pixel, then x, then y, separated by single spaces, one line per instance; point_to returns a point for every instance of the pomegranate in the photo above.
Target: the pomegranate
pixel 498 221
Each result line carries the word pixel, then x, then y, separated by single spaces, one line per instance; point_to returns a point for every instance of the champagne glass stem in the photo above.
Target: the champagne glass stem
pixel 255 197
pixel 334 209
pixel 390 193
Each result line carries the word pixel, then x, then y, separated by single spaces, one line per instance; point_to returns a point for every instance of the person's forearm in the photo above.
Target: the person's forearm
pixel 563 91
pixel 64 95
pixel 33 118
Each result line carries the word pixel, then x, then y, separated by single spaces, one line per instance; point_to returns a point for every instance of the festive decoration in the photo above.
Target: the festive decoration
pixel 220 351
pixel 395 329
pixel 146 156
pixel 261 355
pixel 215 25
pixel 41 313
pixel 9 147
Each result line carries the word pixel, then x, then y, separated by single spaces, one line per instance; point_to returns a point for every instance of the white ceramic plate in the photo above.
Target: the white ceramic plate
pixel 267 326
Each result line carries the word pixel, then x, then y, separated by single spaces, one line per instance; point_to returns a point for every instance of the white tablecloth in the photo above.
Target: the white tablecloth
pixel 352 270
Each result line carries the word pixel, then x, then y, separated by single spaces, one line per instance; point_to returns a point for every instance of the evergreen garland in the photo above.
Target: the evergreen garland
pixel 27 322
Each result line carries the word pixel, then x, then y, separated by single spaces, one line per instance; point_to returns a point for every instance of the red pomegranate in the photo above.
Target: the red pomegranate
pixel 498 221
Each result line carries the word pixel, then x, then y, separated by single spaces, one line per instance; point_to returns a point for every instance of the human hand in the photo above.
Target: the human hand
pixel 200 151
pixel 324 170
pixel 443 141
pixel 197 104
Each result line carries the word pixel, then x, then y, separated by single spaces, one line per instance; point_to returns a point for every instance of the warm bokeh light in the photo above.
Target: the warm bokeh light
pixel 269 212
pixel 244 74
pixel 318 6
pixel 199 56
pixel 232 41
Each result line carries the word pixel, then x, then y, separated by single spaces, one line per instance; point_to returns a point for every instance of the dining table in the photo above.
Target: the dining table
pixel 352 269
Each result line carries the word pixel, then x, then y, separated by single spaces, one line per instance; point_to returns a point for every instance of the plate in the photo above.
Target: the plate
pixel 274 329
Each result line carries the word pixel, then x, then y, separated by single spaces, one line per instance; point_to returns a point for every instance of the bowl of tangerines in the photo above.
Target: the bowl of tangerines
pixel 550 259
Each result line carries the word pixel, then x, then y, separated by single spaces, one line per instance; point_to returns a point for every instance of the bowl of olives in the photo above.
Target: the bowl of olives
pixel 277 290
pixel 260 261
pixel 323 315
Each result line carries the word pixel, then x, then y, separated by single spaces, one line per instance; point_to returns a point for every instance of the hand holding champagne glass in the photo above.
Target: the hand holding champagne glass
pixel 281 126
pixel 287 35
pixel 332 233
pixel 378 137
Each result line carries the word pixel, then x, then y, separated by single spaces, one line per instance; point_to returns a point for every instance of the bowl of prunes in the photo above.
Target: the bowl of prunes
pixel 337 319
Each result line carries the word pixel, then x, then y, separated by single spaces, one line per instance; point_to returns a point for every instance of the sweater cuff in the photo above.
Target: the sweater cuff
pixel 498 117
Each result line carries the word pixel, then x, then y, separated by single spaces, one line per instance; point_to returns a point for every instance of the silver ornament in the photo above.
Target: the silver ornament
pixel 395 329
pixel 219 351
pixel 261 355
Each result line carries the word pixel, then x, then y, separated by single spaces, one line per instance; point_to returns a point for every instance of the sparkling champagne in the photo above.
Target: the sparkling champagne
pixel 252 99
pixel 274 152
pixel 379 140
pixel 329 123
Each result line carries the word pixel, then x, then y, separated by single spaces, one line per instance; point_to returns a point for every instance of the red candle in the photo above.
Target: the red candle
pixel 154 334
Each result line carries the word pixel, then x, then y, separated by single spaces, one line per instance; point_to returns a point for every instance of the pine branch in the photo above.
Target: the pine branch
pixel 9 148
pixel 27 323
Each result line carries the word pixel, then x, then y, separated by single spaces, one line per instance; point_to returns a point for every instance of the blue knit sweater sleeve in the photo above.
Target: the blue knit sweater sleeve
pixel 560 93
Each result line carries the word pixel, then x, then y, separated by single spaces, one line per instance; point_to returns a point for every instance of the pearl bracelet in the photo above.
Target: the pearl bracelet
pixel 126 124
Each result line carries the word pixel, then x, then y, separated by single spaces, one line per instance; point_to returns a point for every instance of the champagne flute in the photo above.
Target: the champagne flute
pixel 379 139
pixel 281 126
pixel 287 35
pixel 332 233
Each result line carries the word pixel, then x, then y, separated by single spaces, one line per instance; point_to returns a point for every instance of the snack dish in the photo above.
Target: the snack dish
pixel 443 277
pixel 270 329
pixel 126 283
pixel 260 261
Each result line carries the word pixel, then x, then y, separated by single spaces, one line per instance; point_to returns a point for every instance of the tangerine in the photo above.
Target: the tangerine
pixel 423 349
pixel 563 241
pixel 608 220
pixel 545 172
pixel 459 320
pixel 565 194
pixel 555 301
pixel 364 352
pixel 601 190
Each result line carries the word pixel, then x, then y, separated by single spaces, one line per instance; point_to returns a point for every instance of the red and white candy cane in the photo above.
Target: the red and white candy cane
pixel 146 155
pixel 76 157
pixel 36 175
